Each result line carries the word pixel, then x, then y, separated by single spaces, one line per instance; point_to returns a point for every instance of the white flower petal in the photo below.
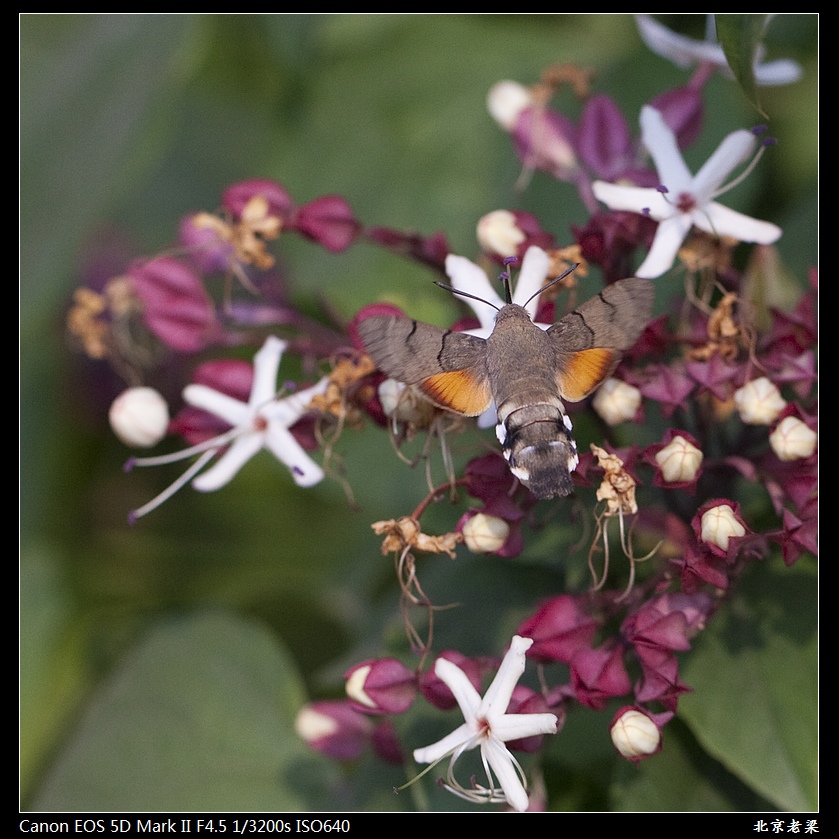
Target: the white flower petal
pixel 497 697
pixel 668 239
pixel 634 199
pixel 722 221
pixel 468 699
pixel 226 467
pixel 681 50
pixel 504 768
pixel 731 152
pixel 220 405
pixel 660 141
pixel 534 270
pixel 518 726
pixel 468 277
pixel 685 52
pixel 282 444
pixel 289 409
pixel 266 363
pixel 781 71
pixel 438 750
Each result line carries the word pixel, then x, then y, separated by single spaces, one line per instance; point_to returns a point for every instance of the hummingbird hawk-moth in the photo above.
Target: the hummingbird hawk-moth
pixel 526 371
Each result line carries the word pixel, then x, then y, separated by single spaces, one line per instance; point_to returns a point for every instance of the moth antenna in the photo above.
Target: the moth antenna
pixel 454 290
pixel 554 281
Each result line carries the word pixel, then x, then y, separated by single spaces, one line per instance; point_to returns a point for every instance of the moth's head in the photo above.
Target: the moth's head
pixel 512 314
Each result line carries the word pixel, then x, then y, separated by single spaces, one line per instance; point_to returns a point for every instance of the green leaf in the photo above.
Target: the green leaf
pixel 754 675
pixel 740 36
pixel 53 675
pixel 199 717
pixel 681 778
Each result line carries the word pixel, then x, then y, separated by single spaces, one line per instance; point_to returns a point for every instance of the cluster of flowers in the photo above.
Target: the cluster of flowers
pixel 713 361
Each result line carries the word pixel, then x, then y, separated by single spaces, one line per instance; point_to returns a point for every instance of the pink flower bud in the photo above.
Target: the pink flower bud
pixel 139 416
pixel 386 744
pixel 200 233
pixel 381 686
pixel 176 307
pixel 333 728
pixel 238 196
pixel 328 220
pixel 682 109
pixel 559 629
pixel 598 675
pixel 435 690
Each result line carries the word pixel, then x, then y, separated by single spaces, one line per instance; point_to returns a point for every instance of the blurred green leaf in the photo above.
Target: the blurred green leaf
pixel 53 672
pixel 681 778
pixel 740 36
pixel 755 678
pixel 199 717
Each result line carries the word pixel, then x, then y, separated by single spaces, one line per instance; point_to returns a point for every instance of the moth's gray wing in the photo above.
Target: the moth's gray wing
pixel 449 367
pixel 588 342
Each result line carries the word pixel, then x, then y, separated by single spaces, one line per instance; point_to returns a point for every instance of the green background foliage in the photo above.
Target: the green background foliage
pixel 162 664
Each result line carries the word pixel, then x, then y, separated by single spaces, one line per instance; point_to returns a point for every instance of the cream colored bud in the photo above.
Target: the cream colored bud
pixel 635 735
pixel 719 524
pixel 679 460
pixel 759 402
pixel 312 726
pixel 616 401
pixel 139 416
pixel 506 100
pixel 793 439
pixel 499 233
pixel 355 686
pixel 484 534
pixel 405 404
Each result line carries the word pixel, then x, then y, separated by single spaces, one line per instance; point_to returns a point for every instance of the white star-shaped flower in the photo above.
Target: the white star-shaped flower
pixel 261 422
pixel 489 727
pixel 472 279
pixel 685 52
pixel 688 199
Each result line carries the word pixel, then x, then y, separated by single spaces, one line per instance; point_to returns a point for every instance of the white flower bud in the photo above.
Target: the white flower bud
pixel 793 439
pixel 635 735
pixel 759 402
pixel 405 404
pixel 679 460
pixel 506 101
pixel 499 233
pixel 139 416
pixel 616 401
pixel 719 524
pixel 484 534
